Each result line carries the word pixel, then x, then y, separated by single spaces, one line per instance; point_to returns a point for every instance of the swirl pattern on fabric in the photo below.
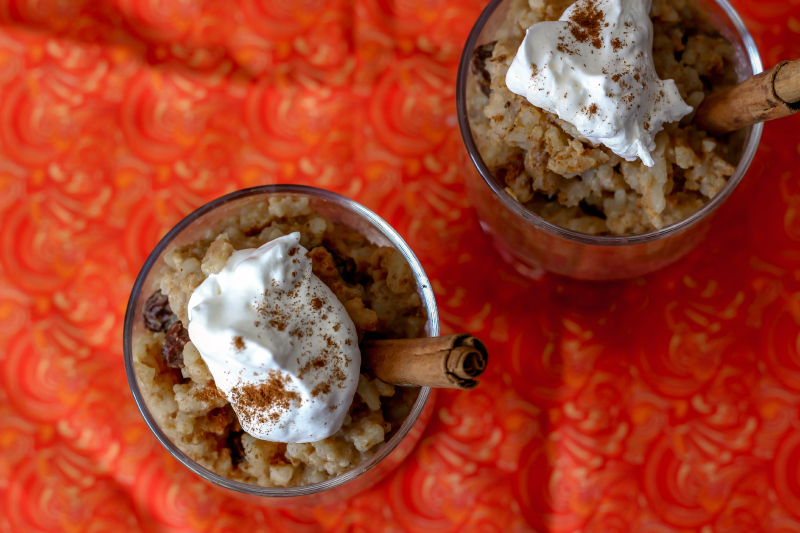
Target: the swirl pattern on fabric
pixel 660 404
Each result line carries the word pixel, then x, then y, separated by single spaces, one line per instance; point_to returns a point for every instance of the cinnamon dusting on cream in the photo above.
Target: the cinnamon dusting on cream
pixel 264 402
pixel 587 25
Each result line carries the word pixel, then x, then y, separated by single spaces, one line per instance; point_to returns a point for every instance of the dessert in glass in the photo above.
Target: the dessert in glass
pixel 241 344
pixel 581 156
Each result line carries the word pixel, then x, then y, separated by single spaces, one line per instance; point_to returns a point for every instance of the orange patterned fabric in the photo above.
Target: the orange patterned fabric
pixel 662 404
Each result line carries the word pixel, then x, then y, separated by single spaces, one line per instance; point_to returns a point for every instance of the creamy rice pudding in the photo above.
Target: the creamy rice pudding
pixel 377 289
pixel 547 166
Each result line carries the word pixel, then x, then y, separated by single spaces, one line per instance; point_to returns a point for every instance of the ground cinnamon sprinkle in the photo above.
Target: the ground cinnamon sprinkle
pixel 321 388
pixel 272 313
pixel 618 78
pixel 238 343
pixel 277 324
pixel 314 364
pixel 588 22
pixel 564 50
pixel 265 401
pixel 207 393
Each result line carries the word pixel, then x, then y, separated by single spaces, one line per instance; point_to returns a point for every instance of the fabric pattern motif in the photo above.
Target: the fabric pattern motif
pixel 663 404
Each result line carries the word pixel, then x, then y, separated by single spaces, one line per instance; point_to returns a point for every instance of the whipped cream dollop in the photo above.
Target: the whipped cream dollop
pixel 278 342
pixel 594 69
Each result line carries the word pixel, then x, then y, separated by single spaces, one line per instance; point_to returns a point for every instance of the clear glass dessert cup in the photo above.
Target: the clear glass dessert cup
pixel 340 210
pixel 533 245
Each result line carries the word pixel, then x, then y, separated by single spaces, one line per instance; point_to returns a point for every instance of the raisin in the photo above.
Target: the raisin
pixel 157 314
pixel 174 341
pixel 234 444
pixel 348 269
pixel 479 57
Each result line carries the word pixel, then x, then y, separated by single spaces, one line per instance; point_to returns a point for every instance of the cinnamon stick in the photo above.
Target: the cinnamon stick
pixel 766 96
pixel 450 362
pixel 787 82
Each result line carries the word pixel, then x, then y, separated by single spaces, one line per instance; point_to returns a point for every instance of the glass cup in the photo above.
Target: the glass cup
pixel 533 245
pixel 339 210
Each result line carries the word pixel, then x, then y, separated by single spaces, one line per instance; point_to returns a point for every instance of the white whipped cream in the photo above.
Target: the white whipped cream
pixel 280 345
pixel 594 68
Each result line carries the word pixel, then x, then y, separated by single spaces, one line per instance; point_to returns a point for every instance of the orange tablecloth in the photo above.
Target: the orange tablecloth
pixel 662 404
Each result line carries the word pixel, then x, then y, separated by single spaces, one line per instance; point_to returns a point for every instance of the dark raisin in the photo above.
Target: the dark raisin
pixel 479 57
pixel 348 269
pixel 157 314
pixel 174 341
pixel 234 444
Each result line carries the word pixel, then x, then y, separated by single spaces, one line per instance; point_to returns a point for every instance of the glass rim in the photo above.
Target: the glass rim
pixel 748 153
pixel 424 288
